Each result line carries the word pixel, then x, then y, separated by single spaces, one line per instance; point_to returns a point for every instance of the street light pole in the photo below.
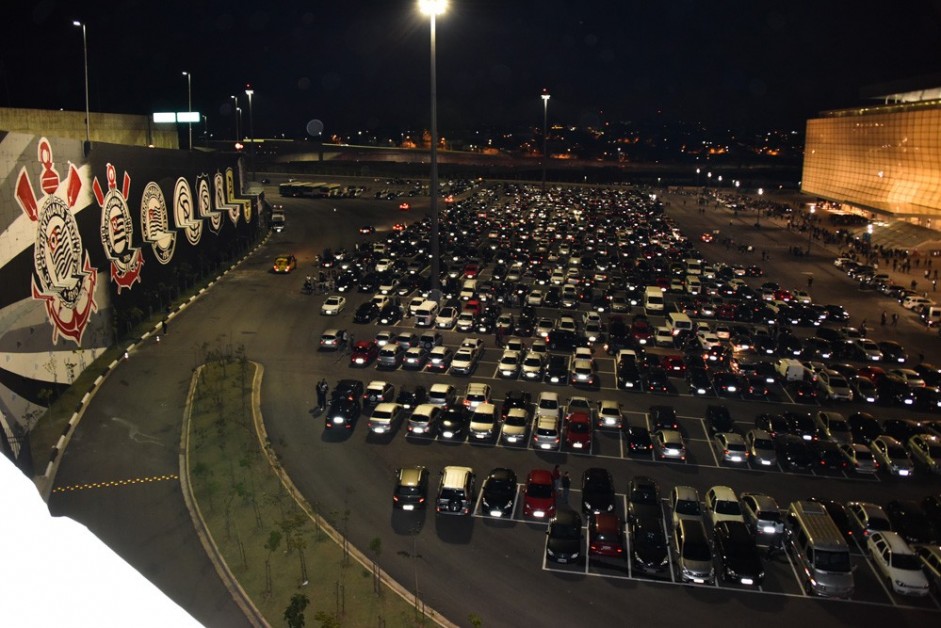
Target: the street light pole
pixel 85 54
pixel 545 136
pixel 189 105
pixel 237 112
pixel 761 192
pixel 433 8
pixel 251 125
pixel 810 228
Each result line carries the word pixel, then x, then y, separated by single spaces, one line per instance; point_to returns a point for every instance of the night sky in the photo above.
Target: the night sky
pixel 361 65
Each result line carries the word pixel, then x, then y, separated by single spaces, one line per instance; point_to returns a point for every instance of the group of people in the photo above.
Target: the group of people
pixel 561 482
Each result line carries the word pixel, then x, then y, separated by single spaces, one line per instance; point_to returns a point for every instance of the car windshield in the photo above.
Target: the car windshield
pixel 516 419
pixel 539 491
pixel 728 508
pixel 697 551
pixel 452 493
pixel 560 531
pixel 651 538
pixel 548 404
pixel 897 453
pixel 496 485
pixel 879 524
pixel 409 490
pixel 688 507
pixel 832 561
pixel 763 443
pixel 908 562
pixel 481 417
pixel 579 428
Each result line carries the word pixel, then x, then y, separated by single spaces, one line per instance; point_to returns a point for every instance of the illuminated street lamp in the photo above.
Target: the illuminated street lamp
pixel 85 53
pixel 697 177
pixel 251 124
pixel 189 104
pixel 545 135
pixel 433 8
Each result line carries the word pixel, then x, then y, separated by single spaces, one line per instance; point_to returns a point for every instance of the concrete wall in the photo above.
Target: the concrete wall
pixel 111 128
pixel 89 244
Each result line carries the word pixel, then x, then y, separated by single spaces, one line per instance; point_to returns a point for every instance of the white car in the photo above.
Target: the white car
pixel 669 444
pixel 548 405
pixel 911 377
pixel 333 305
pixel 869 349
pixel 446 318
pixel 533 365
pixel 895 560
pixel 515 426
pixel 708 340
pixel 610 414
pixel 834 386
pixel 566 323
pixel 535 297
pixel 723 505
pixel 463 361
pixel 684 502
pixel 509 364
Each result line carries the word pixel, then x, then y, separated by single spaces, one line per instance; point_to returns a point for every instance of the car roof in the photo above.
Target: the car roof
pixel 685 493
pixel 723 493
pixel 539 476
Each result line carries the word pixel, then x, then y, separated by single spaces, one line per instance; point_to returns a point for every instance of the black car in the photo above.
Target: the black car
pixel 351 389
pixel 411 488
pixel 597 491
pixel 643 498
pixel 638 439
pixel 698 380
pixel 453 424
pixel 663 418
pixel 738 553
pixel 499 493
pixel 516 399
pixel 895 391
pixel 794 452
pixel 629 376
pixel 892 352
pixel 829 456
pixel 342 413
pixel 910 521
pixel 562 340
pixel 864 427
pixel 390 314
pixel 774 424
pixel 657 380
pixel 564 537
pixel 366 312
pixel 411 399
pixel 837 313
pixel 557 369
pixel 901 429
pixel 719 419
pixel 928 398
pixel 801 425
pixel 929 372
pixel 649 553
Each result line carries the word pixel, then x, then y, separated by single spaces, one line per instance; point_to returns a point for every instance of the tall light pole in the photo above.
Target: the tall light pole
pixel 697 178
pixel 810 228
pixel 251 124
pixel 761 192
pixel 85 53
pixel 433 8
pixel 236 111
pixel 189 104
pixel 545 135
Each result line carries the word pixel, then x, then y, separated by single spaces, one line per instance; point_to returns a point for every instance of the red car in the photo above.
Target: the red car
pixel 539 495
pixel 364 353
pixel 873 373
pixel 641 331
pixel 707 237
pixel 673 365
pixel 606 535
pixel 405 206
pixel 471 271
pixel 399 226
pixel 578 431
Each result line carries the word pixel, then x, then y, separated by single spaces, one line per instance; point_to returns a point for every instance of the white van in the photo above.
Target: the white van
pixel 426 313
pixel 931 315
pixel 468 289
pixel 693 267
pixel 653 299
pixel 679 322
pixel 693 285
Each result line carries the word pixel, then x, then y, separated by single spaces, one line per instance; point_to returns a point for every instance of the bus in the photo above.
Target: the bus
pixel 310 189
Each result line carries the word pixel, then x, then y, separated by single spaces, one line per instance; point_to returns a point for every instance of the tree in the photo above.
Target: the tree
pixel 294 613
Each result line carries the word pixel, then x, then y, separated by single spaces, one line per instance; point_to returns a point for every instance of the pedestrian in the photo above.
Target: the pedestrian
pixel 163 327
pixel 895 319
pixel 556 478
pixel 566 485
pixel 810 280
pixel 883 318
pixel 322 394
pixel 934 285
pixel 914 283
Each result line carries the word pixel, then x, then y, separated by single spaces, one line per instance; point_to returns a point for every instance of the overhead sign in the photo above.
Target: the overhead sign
pixel 180 116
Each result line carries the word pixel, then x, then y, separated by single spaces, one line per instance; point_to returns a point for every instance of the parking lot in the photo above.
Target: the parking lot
pixel 609 448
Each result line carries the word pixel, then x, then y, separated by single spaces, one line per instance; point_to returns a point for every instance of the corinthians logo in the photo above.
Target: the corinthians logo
pixel 155 223
pixel 117 230
pixel 63 280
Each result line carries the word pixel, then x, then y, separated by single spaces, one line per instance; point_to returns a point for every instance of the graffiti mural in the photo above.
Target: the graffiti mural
pixel 155 223
pixel 117 230
pixel 63 277
pixel 185 213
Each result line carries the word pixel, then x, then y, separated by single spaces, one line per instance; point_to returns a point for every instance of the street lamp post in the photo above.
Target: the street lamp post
pixel 251 125
pixel 85 54
pixel 189 105
pixel 697 178
pixel 433 8
pixel 810 228
pixel 761 192
pixel 545 135
pixel 236 111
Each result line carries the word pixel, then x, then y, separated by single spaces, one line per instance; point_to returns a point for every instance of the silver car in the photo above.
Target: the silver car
pixel 761 448
pixel 889 453
pixel 859 457
pixel 533 366
pixel 763 517
pixel 866 518
pixel 515 427
pixel 693 552
pixel 547 433
pixel 669 444
pixel 730 448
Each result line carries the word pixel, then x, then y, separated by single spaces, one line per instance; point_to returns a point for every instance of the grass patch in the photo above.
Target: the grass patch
pixel 271 545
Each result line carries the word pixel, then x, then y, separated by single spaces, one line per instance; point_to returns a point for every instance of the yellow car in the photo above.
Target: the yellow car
pixel 285 264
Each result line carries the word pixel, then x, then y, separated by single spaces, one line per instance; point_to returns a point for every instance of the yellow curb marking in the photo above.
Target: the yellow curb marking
pixel 91 485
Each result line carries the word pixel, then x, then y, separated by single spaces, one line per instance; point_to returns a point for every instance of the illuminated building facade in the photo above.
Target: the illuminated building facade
pixel 885 159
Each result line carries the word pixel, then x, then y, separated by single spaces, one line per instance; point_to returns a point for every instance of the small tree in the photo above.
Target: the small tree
pixel 294 613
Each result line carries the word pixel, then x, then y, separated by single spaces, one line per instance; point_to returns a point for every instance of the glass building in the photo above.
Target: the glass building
pixel 885 159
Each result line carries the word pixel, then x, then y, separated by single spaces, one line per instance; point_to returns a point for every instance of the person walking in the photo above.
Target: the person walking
pixel 556 478
pixel 566 485
pixel 322 394
pixel 883 318
pixel 895 319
